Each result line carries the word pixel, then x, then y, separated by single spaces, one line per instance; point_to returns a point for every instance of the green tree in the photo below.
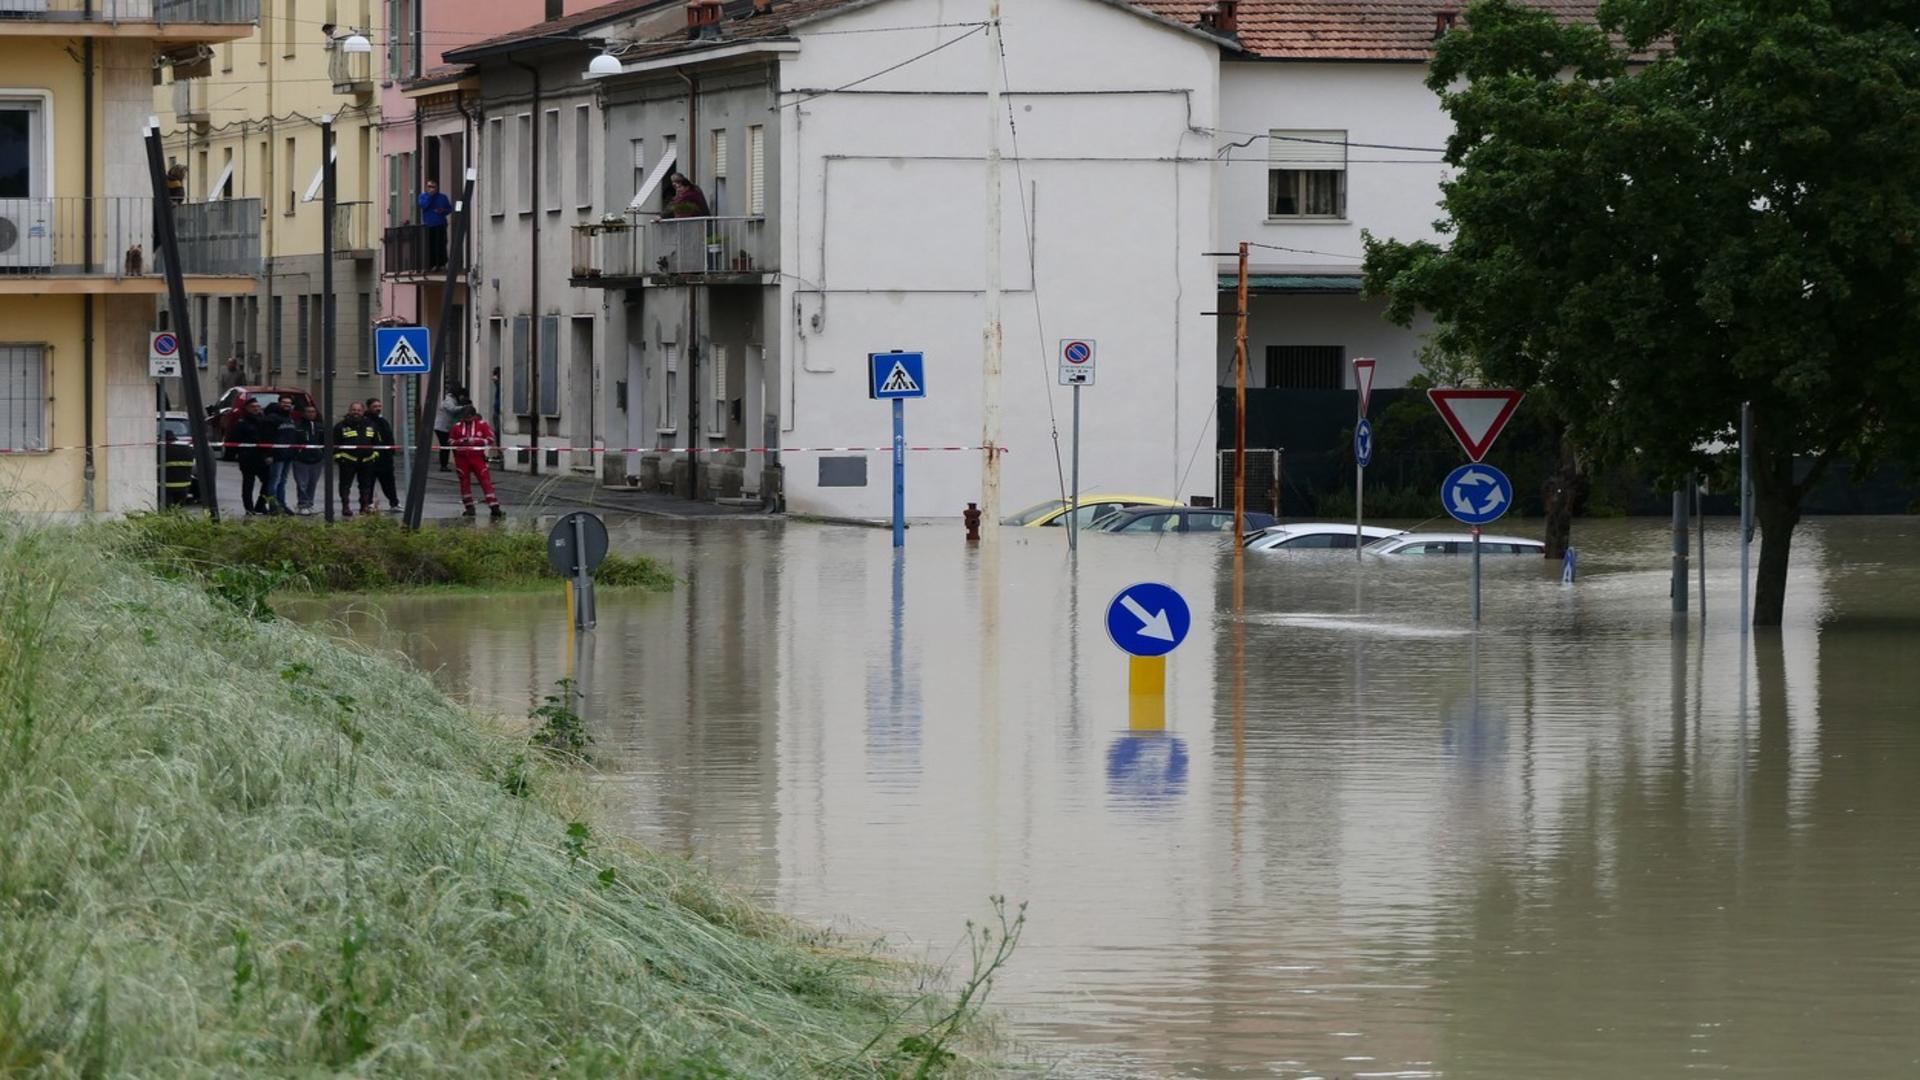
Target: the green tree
pixel 1693 204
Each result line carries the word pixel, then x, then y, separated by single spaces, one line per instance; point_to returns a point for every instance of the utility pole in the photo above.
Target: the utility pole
pixel 1679 583
pixel 327 201
pixel 1240 405
pixel 167 246
pixel 991 346
pixel 437 363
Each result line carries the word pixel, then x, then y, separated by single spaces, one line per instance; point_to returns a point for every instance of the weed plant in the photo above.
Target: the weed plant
pixel 230 847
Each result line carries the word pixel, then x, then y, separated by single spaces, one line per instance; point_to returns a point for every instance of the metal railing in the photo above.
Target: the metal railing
pixel 409 249
pixel 352 226
pixel 41 237
pixel 228 12
pixel 189 99
pixel 674 247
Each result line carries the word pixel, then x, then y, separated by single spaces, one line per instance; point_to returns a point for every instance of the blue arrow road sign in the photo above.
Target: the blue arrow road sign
pixel 1363 442
pixel 896 375
pixel 401 350
pixel 1148 619
pixel 1476 494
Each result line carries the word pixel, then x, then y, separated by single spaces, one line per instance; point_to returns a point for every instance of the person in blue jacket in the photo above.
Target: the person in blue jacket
pixel 434 208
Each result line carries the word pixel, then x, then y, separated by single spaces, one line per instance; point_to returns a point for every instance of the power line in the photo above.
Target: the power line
pixel 1306 251
pixel 1253 137
pixel 883 71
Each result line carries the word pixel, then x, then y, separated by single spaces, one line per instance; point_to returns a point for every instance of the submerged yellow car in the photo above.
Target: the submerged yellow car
pixel 1094 509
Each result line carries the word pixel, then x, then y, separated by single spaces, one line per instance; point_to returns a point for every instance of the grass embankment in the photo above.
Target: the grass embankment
pixel 231 847
pixel 367 554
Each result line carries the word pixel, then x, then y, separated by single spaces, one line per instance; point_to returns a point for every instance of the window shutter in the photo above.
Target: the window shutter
pixel 550 365
pixel 1288 149
pixel 23 396
pixel 522 336
pixel 756 171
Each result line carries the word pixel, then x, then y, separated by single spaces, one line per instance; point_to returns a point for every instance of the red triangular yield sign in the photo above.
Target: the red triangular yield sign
pixel 1363 381
pixel 1476 416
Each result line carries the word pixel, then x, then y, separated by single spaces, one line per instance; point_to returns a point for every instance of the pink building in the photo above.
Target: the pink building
pixel 427 133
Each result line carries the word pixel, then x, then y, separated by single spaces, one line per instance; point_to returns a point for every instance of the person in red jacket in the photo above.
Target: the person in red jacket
pixel 471 436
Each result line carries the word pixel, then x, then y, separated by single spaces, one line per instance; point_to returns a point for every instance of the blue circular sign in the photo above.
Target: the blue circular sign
pixel 1148 619
pixel 1476 494
pixel 1363 442
pixel 1078 352
pixel 165 344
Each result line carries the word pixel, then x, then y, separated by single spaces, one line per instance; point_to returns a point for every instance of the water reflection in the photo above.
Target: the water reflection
pixel 1368 841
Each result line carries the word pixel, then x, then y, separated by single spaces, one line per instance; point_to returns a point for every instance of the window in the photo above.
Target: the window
pixel 363 333
pixel 496 167
pixel 305 343
pixel 552 153
pixel 1150 523
pixel 276 325
pixel 717 359
pixel 290 178
pixel 1307 174
pixel 226 57
pixel 265 35
pixel 224 190
pixel 290 27
pixel 202 176
pixel 1305 367
pixel 670 386
pixel 495 328
pixel 717 155
pixel 524 148
pixel 638 148
pixel 1198 522
pixel 23 396
pixel 522 339
pixel 550 365
pixel 756 171
pixel 583 157
pixel 1318 541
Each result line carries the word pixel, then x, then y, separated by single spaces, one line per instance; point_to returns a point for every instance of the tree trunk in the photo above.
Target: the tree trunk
pixel 1776 502
pixel 1566 491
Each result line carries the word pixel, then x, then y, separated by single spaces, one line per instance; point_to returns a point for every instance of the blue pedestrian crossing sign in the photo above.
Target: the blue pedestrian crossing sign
pixel 896 375
pixel 1363 442
pixel 1148 619
pixel 1476 494
pixel 401 350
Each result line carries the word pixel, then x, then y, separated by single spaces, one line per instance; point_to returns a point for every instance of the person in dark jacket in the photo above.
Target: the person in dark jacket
pixel 350 439
pixel 434 209
pixel 310 458
pixel 179 476
pixel 379 461
pixel 250 430
pixel 281 464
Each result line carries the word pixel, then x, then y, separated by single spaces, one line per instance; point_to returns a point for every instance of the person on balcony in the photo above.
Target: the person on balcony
pixel 434 208
pixel 177 184
pixel 686 200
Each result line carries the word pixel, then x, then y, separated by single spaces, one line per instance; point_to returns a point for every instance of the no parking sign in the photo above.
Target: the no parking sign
pixel 163 355
pixel 1076 362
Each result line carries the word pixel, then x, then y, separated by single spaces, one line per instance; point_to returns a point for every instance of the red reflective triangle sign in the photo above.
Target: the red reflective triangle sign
pixel 1476 416
pixel 1363 381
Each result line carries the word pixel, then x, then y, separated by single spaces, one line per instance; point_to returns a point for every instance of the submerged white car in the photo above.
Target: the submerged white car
pixel 1314 536
pixel 1456 544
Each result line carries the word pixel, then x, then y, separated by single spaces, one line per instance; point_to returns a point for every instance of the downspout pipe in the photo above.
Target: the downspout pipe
pixel 533 276
pixel 687 165
pixel 90 472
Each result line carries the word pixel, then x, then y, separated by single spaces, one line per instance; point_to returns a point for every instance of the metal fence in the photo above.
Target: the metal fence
pixel 674 246
pixel 136 11
pixel 409 249
pixel 51 236
pixel 1262 481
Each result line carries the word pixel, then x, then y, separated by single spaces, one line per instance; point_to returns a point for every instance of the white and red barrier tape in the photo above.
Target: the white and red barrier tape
pixel 19 450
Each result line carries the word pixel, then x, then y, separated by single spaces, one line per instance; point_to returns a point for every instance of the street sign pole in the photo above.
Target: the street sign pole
pixel 1073 511
pixel 1476 575
pixel 1359 504
pixel 899 472
pixel 583 610
pixel 1678 585
pixel 1362 448
pixel 1746 511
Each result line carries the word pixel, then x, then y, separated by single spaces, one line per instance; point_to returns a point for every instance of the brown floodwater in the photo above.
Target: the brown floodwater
pixel 1369 842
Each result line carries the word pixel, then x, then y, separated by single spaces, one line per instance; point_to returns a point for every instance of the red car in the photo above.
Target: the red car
pixel 222 414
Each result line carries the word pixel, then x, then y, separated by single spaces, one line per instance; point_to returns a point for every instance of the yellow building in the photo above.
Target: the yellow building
pixel 250 129
pixel 79 279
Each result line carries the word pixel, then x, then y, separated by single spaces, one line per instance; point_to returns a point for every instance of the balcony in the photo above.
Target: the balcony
pixel 352 73
pixel 353 230
pixel 668 251
pixel 181 21
pixel 407 254
pixel 190 100
pixel 44 242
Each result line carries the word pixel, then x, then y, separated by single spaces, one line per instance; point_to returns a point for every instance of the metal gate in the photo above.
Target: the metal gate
pixel 1263 481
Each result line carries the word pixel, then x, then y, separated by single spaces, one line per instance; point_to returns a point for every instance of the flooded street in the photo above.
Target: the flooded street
pixel 1573 844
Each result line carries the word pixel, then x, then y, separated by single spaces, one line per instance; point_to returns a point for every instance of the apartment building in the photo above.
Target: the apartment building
pixel 80 284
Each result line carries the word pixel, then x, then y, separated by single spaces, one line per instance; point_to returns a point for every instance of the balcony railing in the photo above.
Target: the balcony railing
pixel 225 12
pixel 353 228
pixel 409 249
pixel 352 73
pixel 674 247
pixel 46 237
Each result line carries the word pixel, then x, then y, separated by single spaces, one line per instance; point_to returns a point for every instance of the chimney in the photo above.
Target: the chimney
pixel 703 18
pixel 761 7
pixel 1227 16
pixel 1443 22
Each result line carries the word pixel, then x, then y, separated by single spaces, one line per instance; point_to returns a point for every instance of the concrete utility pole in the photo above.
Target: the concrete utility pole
pixel 166 246
pixel 1240 406
pixel 328 197
pixel 991 334
pixel 1680 523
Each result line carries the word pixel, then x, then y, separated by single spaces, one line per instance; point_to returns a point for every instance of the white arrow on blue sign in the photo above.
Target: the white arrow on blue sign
pixel 1148 619
pixel 1363 442
pixel 1476 494
pixel 401 350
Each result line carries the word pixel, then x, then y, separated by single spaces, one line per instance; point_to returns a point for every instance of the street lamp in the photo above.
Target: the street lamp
pixel 605 64
pixel 356 42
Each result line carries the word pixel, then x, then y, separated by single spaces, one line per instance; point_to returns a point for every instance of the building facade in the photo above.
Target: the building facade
pixel 250 129
pixel 80 282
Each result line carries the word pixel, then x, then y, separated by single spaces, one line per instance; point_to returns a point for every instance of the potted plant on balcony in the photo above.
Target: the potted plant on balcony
pixel 743 262
pixel 716 252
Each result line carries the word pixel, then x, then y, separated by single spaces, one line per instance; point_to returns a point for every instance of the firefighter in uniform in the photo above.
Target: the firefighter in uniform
pixel 179 465
pixel 351 436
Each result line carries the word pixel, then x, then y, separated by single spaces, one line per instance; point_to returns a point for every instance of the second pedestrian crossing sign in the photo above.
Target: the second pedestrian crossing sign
pixel 896 375
pixel 401 350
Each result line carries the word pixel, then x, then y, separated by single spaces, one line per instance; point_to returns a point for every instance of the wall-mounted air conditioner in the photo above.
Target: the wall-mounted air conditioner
pixel 16 8
pixel 26 233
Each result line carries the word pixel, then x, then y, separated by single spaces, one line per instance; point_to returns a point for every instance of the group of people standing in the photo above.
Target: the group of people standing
pixel 278 442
